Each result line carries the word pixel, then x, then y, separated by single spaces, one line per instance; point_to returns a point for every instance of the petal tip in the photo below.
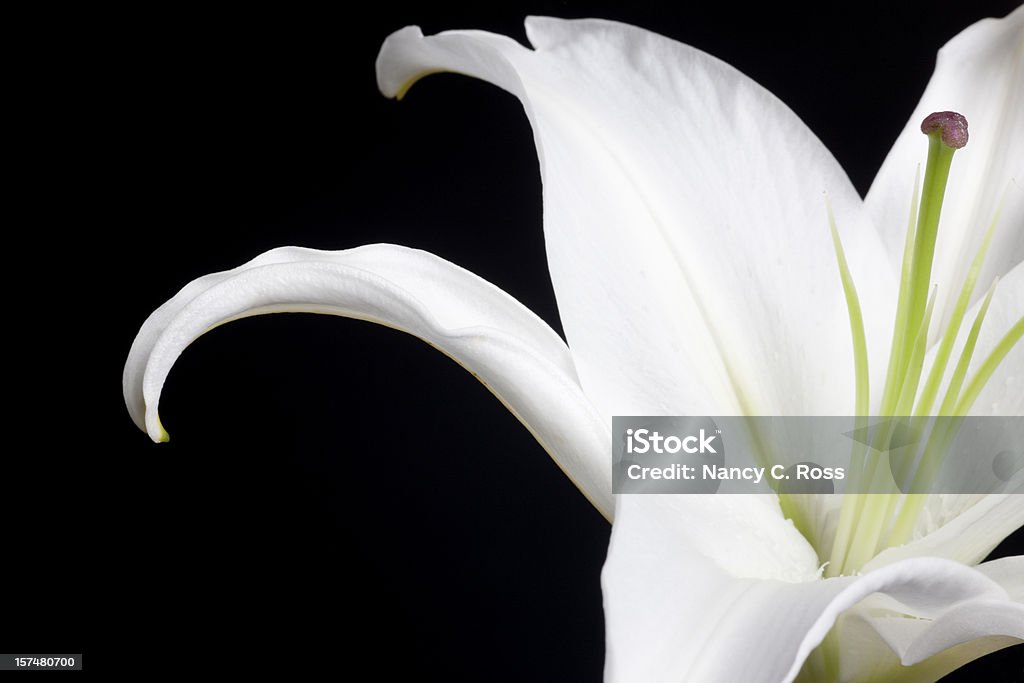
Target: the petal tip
pixel 157 432
pixel 396 72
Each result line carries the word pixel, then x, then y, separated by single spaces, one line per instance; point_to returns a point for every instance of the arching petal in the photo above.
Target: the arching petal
pixel 979 73
pixel 959 624
pixel 964 632
pixel 874 644
pixel 685 219
pixel 515 354
pixel 673 614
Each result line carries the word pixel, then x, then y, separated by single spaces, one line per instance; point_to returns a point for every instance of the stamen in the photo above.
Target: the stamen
pixel 984 373
pixel 891 391
pixel 916 362
pixel 860 346
pixel 956 382
pixel 862 394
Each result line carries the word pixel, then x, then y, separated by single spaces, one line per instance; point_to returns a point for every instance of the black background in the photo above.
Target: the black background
pixel 171 143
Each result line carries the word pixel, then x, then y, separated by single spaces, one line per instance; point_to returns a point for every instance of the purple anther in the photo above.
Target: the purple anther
pixel 952 125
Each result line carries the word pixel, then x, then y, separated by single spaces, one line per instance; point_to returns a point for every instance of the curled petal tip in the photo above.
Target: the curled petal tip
pixel 159 435
pixel 950 124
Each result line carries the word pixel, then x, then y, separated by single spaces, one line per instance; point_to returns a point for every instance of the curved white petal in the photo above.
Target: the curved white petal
pixel 874 642
pixel 965 631
pixel 744 535
pixel 673 614
pixel 979 73
pixel 959 624
pixel 685 219
pixel 1008 572
pixel 515 354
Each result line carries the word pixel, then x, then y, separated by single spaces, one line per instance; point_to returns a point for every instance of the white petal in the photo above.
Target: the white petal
pixel 745 535
pixel 979 73
pixel 515 354
pixel 684 217
pixel 964 632
pixel 673 614
pixel 1008 572
pixel 962 623
pixel 873 643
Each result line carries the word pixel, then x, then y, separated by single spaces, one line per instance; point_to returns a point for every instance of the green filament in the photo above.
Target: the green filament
pixel 860 362
pixel 984 373
pixel 916 361
pixel 860 346
pixel 903 302
pixel 956 382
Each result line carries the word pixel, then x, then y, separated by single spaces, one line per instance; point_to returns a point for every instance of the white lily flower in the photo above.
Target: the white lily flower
pixel 687 235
